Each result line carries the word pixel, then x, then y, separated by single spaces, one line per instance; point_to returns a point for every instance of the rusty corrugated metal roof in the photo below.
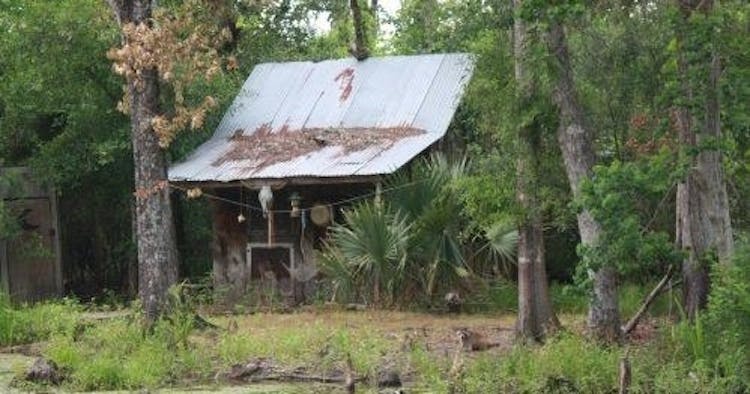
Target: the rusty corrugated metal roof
pixel 335 118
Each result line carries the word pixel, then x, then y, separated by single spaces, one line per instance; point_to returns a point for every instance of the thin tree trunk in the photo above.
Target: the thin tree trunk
pixel 360 51
pixel 157 252
pixel 535 315
pixel 577 148
pixel 703 224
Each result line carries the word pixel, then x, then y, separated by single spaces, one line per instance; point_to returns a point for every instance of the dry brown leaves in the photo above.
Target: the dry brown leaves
pixel 266 147
pixel 182 47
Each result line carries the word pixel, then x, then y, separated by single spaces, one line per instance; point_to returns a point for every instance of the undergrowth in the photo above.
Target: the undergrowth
pixel 706 356
pixel 503 296
pixel 118 354
pixel 21 324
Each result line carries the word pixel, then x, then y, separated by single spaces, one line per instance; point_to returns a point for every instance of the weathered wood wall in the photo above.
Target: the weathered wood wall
pixel 30 263
pixel 233 271
pixel 228 248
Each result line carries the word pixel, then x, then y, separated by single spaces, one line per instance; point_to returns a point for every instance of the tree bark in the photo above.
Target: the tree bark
pixel 535 314
pixel 703 224
pixel 576 144
pixel 155 231
pixel 361 52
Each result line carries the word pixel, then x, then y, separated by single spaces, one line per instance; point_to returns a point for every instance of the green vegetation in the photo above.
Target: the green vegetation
pixel 26 324
pixel 417 244
pixel 644 79
pixel 116 353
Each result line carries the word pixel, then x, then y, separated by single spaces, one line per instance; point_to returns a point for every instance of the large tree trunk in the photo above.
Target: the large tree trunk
pixel 577 148
pixel 703 224
pixel 157 252
pixel 535 315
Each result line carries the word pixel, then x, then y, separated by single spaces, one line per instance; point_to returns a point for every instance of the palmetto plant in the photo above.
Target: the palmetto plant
pixel 501 242
pixel 413 244
pixel 369 252
pixel 426 196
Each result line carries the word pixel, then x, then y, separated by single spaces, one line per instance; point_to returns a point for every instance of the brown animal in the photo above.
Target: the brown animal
pixel 453 302
pixel 474 341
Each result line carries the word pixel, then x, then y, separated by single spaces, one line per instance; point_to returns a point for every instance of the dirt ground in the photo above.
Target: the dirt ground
pixel 437 332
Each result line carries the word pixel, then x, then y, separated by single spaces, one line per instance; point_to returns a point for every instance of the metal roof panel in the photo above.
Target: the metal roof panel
pixel 416 95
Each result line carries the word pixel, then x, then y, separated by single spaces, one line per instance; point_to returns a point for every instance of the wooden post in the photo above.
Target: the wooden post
pixel 625 373
pixel 296 260
pixel 4 283
pixel 56 241
pixel 271 229
pixel 379 194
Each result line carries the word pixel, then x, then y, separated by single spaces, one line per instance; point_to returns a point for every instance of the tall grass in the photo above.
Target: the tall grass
pixel 118 354
pixel 20 324
pixel 565 364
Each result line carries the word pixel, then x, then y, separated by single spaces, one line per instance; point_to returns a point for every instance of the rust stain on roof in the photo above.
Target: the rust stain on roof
pixel 267 147
pixel 345 78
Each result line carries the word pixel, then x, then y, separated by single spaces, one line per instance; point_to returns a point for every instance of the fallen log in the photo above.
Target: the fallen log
pixel 262 369
pixel 633 322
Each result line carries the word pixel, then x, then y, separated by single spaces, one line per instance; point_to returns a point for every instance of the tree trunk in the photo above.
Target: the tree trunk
pixel 157 252
pixel 360 50
pixel 577 148
pixel 703 224
pixel 535 315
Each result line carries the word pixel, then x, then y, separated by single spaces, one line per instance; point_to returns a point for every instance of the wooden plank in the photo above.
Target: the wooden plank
pixel 228 250
pixel 56 240
pixel 5 286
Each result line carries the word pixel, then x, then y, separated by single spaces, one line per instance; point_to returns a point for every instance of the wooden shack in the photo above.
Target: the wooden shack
pixel 300 142
pixel 30 264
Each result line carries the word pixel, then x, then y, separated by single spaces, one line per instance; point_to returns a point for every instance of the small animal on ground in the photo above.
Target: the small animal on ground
pixel 474 341
pixel 453 302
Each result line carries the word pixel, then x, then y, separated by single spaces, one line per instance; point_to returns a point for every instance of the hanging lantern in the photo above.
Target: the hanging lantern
pixel 295 199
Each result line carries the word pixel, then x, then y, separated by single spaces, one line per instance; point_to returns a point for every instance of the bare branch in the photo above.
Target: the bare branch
pixel 633 322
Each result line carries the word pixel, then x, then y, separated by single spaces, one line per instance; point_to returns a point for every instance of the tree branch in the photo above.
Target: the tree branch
pixel 633 322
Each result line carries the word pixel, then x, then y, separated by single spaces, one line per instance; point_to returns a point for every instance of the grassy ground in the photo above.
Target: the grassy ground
pixel 111 351
pixel 114 353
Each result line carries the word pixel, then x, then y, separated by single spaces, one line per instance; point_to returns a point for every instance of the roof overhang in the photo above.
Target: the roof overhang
pixel 330 122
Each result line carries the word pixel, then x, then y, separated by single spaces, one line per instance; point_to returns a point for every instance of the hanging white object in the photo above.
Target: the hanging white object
pixel 265 196
pixel 240 218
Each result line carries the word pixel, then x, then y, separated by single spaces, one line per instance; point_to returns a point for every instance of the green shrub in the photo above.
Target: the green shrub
pixel 715 345
pixel 118 354
pixel 27 324
pixel 567 363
